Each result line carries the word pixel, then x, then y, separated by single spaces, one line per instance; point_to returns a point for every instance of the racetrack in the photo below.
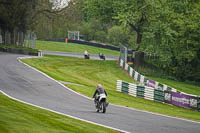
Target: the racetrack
pixel 92 56
pixel 26 84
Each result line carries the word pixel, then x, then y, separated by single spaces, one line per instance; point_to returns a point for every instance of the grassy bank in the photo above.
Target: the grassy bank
pixel 16 117
pixel 72 47
pixel 181 86
pixel 90 72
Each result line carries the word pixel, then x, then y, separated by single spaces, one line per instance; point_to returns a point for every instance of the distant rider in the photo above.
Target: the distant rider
pixel 86 54
pixel 102 56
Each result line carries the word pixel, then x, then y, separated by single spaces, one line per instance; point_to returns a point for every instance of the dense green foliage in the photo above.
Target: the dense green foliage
pixel 168 28
pixel 17 117
pixel 89 73
pixel 117 36
pixel 13 14
pixel 56 23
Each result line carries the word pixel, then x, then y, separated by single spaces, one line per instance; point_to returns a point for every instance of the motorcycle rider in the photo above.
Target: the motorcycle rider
pixel 99 91
pixel 86 54
pixel 102 56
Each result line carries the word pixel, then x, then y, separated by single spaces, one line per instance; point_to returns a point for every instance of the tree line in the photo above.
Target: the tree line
pixel 22 15
pixel 167 28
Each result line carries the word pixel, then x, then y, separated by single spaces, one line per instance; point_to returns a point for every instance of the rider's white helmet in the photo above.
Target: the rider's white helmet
pixel 99 86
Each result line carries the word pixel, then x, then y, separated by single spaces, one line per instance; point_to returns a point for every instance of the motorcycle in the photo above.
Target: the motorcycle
pixel 102 56
pixel 101 103
pixel 87 56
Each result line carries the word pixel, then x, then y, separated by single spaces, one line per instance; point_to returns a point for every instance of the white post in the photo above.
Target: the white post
pixel 78 35
pixel 40 53
pixel 1 40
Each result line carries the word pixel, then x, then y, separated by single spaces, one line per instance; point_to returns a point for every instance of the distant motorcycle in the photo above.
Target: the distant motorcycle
pixel 102 56
pixel 101 103
pixel 87 56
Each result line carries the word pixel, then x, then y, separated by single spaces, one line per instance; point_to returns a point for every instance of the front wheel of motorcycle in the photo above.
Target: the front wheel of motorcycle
pixel 104 107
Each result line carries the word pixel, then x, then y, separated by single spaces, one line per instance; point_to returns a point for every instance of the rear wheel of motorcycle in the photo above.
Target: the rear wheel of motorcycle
pixel 104 107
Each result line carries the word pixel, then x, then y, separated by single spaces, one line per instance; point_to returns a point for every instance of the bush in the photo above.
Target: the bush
pixel 100 36
pixel 87 32
pixel 116 35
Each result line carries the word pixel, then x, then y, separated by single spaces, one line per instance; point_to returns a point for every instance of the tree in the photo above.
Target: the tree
pixel 169 28
pixel 87 31
pixel 175 37
pixel 13 14
pixel 101 36
pixel 185 21
pixel 132 14
pixel 56 22
pixel 117 36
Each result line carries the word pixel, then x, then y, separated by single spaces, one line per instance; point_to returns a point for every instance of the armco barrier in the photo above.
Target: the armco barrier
pixel 148 93
pixel 95 45
pixel 132 90
pixel 119 85
pixel 158 95
pixel 170 97
pixel 138 77
pixel 142 79
pixel 140 91
pixel 156 91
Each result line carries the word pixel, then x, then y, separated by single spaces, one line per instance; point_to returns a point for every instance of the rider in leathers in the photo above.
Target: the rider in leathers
pixel 98 91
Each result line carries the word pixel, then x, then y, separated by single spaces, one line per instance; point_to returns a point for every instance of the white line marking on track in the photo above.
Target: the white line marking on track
pixel 111 104
pixel 56 111
pixel 62 113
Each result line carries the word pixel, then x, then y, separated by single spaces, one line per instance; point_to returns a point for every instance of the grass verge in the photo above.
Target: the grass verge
pixel 90 72
pixel 73 48
pixel 16 117
pixel 181 86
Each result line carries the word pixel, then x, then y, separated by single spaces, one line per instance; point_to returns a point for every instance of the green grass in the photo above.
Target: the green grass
pixel 181 86
pixel 16 117
pixel 72 47
pixel 90 72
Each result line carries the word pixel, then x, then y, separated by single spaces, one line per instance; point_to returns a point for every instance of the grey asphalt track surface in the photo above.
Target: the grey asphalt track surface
pixel 92 56
pixel 28 85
